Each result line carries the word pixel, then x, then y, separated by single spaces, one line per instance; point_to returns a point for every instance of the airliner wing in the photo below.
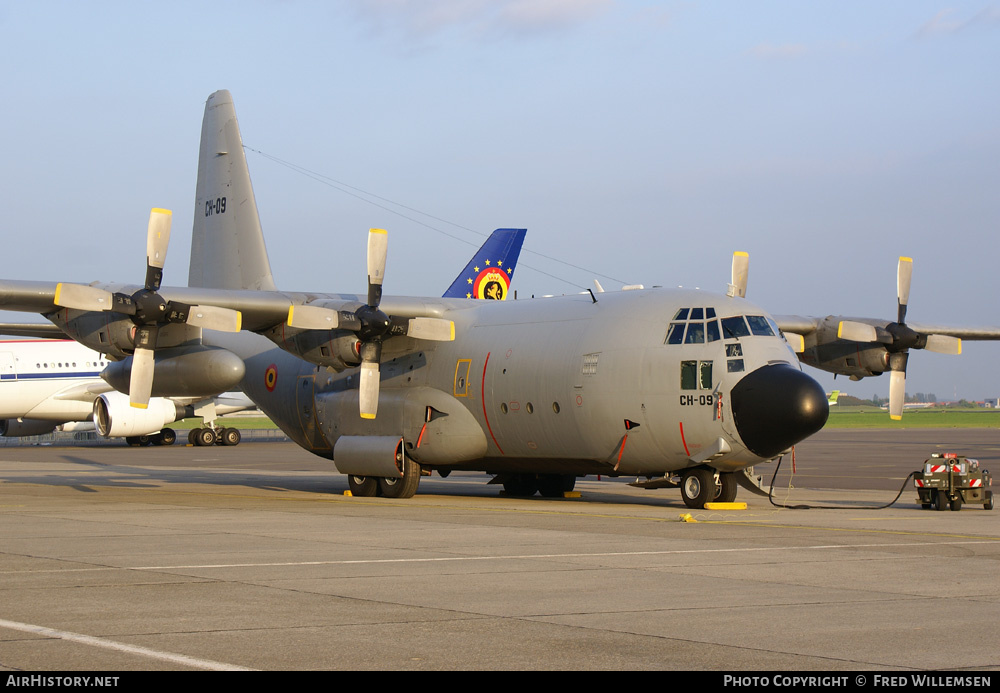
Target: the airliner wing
pixel 84 392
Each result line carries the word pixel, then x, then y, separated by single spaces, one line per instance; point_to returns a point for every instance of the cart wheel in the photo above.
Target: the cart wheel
pixel 988 505
pixel 941 500
pixel 956 504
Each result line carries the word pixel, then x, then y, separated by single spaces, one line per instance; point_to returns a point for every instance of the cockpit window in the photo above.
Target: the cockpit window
pixel 682 314
pixel 735 327
pixel 697 314
pixel 695 333
pixel 774 326
pixel 676 333
pixel 712 330
pixel 759 326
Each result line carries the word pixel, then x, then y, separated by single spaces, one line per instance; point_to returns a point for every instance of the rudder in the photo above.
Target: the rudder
pixel 227 243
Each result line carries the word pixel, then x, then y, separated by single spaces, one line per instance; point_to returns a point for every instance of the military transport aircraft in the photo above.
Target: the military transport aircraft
pixel 684 388
pixel 536 391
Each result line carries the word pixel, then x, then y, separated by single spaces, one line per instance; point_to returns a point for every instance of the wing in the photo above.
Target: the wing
pixel 797 324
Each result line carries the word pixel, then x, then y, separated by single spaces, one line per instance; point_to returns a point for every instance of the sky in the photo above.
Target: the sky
pixel 638 142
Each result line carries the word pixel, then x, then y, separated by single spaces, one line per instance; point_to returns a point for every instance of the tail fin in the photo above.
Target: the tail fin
pixel 227 245
pixel 833 397
pixel 491 269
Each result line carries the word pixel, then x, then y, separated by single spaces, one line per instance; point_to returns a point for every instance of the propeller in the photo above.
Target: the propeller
pixel 898 339
pixel 370 324
pixel 147 309
pixel 741 270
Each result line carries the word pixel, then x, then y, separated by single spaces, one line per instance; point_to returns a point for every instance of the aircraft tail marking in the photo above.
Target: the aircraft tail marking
pixel 489 272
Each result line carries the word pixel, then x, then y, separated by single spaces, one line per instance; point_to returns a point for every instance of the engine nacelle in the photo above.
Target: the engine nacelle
pixel 336 349
pixel 15 428
pixel 191 371
pixel 112 334
pixel 114 416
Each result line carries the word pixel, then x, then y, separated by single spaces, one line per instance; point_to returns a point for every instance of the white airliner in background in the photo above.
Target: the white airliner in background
pixel 45 383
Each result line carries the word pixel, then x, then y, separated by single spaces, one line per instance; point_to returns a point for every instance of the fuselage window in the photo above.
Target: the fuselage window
pixel 689 375
pixel 695 333
pixel 705 375
pixel 696 375
pixel 734 327
pixel 759 326
pixel 734 350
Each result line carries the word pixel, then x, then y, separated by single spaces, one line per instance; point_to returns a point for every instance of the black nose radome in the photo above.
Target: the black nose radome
pixel 775 407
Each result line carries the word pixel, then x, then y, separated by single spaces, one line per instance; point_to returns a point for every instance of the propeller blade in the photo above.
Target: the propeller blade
pixel 158 237
pixel 368 390
pixel 157 240
pixel 312 318
pixel 215 318
pixel 903 275
pixel 796 341
pixel 741 270
pixel 434 329
pixel 944 344
pixel 378 247
pixel 856 331
pixel 81 297
pixel 141 380
pixel 897 394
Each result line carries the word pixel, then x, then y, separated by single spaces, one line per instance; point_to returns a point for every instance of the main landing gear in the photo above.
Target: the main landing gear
pixel 549 485
pixel 167 436
pixel 405 487
pixel 701 485
pixel 214 436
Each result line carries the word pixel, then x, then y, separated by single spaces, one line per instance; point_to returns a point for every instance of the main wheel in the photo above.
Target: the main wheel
pixel 406 487
pixel 231 436
pixel 365 486
pixel 555 485
pixel 166 437
pixel 698 487
pixel 204 436
pixel 525 485
pixel 727 488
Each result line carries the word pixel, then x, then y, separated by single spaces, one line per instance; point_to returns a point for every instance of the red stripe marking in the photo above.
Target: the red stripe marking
pixel 482 390
pixel 681 423
pixel 421 436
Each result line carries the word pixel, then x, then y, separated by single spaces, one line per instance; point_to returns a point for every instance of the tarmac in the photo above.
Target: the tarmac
pixel 118 559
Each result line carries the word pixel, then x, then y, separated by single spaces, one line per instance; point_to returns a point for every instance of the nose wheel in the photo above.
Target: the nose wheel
pixel 700 486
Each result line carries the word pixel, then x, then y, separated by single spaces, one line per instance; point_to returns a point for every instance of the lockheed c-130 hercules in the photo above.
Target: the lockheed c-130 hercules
pixel 536 392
